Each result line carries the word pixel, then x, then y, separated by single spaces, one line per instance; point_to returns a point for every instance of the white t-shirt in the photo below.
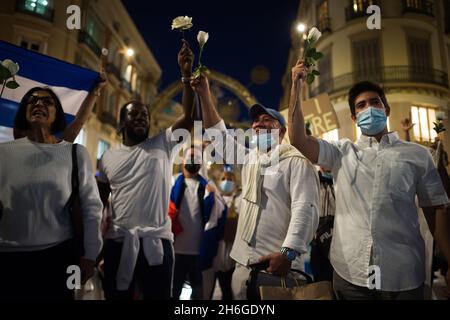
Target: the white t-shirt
pixel 188 241
pixel 139 177
pixel 35 185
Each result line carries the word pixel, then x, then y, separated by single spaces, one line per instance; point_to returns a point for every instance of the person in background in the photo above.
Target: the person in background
pixel 192 201
pixel 36 230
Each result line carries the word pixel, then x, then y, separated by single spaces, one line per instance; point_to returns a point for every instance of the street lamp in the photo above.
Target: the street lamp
pixel 130 52
pixel 301 28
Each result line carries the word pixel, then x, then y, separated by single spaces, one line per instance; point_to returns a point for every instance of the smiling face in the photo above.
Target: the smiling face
pixel 41 109
pixel 266 122
pixel 137 121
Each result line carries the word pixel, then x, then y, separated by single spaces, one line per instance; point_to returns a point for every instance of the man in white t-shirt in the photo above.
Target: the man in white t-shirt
pixel 138 250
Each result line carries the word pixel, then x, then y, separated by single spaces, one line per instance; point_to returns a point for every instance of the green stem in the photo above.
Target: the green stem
pixel 306 49
pixel 200 56
pixel 3 88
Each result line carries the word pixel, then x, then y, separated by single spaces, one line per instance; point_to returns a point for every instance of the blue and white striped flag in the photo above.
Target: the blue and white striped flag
pixel 71 83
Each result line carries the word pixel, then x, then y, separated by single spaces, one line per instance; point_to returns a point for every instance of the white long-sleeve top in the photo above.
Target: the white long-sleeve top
pixel 288 214
pixel 35 185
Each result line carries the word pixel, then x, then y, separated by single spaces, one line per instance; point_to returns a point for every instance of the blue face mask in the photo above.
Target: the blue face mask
pixel 327 175
pixel 372 121
pixel 227 186
pixel 264 141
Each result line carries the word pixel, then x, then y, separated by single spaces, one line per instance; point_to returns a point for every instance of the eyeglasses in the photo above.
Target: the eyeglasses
pixel 46 101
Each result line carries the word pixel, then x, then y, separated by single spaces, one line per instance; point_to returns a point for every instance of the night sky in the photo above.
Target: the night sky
pixel 243 34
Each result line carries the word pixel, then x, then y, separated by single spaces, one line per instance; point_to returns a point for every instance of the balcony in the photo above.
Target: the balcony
pixel 418 6
pixel 355 11
pixel 324 25
pixel 84 37
pixel 35 9
pixel 394 74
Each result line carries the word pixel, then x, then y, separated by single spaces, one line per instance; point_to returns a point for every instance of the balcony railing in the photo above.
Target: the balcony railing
pixel 324 25
pixel 418 6
pixel 38 10
pixel 395 74
pixel 354 11
pixel 84 37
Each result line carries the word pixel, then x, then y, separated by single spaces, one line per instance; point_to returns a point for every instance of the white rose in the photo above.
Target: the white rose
pixel 182 23
pixel 314 35
pixel 440 115
pixel 202 38
pixel 11 66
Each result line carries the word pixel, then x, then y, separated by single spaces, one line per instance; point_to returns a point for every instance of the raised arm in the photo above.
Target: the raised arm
pixel 307 145
pixel 210 115
pixel 185 61
pixel 72 131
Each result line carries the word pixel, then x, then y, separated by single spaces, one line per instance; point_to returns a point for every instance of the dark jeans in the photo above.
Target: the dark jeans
pixel 153 281
pixel 37 275
pixel 344 290
pixel 187 267
pixel 225 284
pixel 320 265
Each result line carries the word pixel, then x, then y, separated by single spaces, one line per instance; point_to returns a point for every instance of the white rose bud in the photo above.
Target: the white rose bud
pixel 314 35
pixel 440 115
pixel 182 23
pixel 11 66
pixel 202 38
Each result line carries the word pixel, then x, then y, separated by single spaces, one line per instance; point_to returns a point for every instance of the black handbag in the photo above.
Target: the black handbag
pixel 73 206
pixel 259 278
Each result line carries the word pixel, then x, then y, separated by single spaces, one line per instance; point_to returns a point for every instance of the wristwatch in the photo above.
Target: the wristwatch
pixel 289 253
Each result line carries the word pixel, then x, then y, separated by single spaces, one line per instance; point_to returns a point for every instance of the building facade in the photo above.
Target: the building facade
pixel 409 57
pixel 133 72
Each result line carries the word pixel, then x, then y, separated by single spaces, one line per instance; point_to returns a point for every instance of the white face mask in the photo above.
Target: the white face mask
pixel 264 141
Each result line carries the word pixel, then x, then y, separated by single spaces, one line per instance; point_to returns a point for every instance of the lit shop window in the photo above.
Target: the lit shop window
pixel 103 146
pixel 423 118
pixel 37 6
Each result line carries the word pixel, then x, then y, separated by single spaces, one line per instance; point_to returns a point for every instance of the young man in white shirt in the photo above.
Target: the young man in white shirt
pixel 139 243
pixel 377 250
pixel 279 211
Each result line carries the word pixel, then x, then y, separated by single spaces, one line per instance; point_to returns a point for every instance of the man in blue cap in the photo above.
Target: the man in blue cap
pixel 278 215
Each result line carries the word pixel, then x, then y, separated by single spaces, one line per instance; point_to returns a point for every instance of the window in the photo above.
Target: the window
pixel 111 107
pixel 423 118
pixel 420 56
pixel 81 139
pixel 325 73
pixel 103 146
pixel 32 44
pixel 128 72
pixel 323 17
pixel 38 6
pixel 366 56
pixel 332 135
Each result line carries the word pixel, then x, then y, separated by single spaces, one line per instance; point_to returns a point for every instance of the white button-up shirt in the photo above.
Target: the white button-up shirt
pixel 288 214
pixel 376 222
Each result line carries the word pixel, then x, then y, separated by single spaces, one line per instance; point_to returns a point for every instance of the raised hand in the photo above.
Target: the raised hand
pixel 407 124
pixel 200 85
pixel 299 72
pixel 103 82
pixel 185 59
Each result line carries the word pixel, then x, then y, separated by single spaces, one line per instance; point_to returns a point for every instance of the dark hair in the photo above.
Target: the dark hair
pixel 21 123
pixel 362 87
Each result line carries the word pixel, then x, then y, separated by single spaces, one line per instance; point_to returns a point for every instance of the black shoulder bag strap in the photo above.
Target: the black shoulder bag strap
pixel 74 205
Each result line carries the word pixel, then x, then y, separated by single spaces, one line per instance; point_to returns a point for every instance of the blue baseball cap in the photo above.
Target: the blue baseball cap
pixel 259 109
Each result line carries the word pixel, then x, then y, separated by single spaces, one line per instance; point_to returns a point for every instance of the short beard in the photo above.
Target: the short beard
pixel 134 136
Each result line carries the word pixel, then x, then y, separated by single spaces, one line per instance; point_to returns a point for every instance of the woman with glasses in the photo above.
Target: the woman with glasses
pixel 36 231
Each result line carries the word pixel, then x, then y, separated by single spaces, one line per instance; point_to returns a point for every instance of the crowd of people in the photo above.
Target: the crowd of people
pixel 149 232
